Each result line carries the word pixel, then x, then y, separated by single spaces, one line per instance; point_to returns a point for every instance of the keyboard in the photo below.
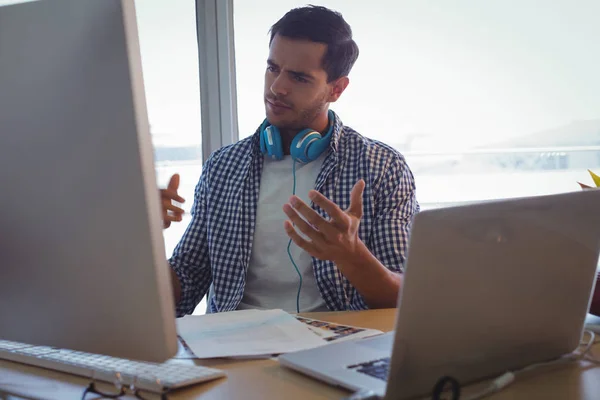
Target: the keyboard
pixel 376 368
pixel 152 377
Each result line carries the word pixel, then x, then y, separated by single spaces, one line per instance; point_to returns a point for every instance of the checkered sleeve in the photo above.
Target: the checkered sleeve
pixel 395 206
pixel 190 260
pixel 358 303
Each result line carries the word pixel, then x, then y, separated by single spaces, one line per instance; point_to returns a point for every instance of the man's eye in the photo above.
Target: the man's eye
pixel 270 68
pixel 300 79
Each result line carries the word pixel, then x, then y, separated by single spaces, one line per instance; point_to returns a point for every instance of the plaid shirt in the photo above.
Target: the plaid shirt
pixel 215 249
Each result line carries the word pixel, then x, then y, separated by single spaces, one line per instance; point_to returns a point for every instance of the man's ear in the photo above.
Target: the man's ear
pixel 337 88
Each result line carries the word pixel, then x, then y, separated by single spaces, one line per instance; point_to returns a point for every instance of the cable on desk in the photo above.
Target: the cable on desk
pixel 509 377
pixel 449 384
pixel 363 394
pixel 444 384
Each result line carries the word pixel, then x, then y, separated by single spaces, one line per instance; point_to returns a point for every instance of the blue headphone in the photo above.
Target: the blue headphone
pixel 306 146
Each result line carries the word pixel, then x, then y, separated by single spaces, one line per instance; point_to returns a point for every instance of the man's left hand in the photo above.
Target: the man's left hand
pixel 335 239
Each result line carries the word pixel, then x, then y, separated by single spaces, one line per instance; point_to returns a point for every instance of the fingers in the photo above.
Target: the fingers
pixel 301 224
pixel 172 207
pixel 170 211
pixel 171 191
pixel 336 214
pixel 300 207
pixel 173 183
pixel 168 218
pixel 172 218
pixel 307 246
pixel 356 202
pixel 167 198
pixel 168 194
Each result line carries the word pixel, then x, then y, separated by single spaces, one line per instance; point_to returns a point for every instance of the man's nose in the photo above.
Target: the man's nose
pixel 279 86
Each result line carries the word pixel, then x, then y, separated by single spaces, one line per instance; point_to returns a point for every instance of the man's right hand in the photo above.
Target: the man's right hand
pixel 171 212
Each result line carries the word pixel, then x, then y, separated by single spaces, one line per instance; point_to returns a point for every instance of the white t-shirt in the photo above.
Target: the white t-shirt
pixel 271 279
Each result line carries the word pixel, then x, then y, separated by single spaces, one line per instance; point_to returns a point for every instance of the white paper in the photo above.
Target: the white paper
pixel 331 332
pixel 245 333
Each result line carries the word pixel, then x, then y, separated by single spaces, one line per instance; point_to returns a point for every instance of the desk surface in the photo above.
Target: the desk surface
pixel 264 379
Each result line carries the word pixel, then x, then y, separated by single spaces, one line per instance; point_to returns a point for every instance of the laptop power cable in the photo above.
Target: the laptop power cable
pixel 509 377
pixel 448 388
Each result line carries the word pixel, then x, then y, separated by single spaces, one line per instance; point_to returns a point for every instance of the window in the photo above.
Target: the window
pixel 486 99
pixel 169 48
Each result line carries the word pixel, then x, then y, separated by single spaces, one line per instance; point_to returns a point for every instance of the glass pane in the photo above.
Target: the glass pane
pixel 486 99
pixel 169 48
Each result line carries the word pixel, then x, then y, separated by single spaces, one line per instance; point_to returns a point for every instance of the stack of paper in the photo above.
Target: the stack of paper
pixel 254 333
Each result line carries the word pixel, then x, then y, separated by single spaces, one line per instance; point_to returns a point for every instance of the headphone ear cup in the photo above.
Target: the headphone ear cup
pixel 301 144
pixel 308 145
pixel 316 147
pixel 270 142
pixel 263 145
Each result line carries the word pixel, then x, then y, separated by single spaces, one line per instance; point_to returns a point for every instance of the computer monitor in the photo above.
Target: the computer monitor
pixel 82 259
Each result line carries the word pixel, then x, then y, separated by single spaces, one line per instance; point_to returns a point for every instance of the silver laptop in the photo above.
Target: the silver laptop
pixel 488 288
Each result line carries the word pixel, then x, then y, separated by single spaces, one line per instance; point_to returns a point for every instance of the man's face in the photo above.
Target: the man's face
pixel 296 88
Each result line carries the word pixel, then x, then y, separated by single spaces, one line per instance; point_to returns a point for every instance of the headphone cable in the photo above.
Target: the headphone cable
pixel 290 243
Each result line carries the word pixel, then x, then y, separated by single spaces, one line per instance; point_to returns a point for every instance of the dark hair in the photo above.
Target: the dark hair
pixel 322 25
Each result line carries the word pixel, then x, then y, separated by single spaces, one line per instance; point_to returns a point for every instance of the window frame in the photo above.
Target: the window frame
pixel 218 93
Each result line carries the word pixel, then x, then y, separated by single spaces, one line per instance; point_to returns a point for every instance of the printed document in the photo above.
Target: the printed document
pixel 246 333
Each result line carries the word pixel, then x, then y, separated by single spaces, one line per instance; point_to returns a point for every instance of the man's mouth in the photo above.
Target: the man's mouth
pixel 277 104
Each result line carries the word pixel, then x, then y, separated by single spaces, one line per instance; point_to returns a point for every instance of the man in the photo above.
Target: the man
pixel 305 215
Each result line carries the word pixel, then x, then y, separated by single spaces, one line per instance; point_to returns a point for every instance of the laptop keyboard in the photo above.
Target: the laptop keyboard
pixel 376 368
